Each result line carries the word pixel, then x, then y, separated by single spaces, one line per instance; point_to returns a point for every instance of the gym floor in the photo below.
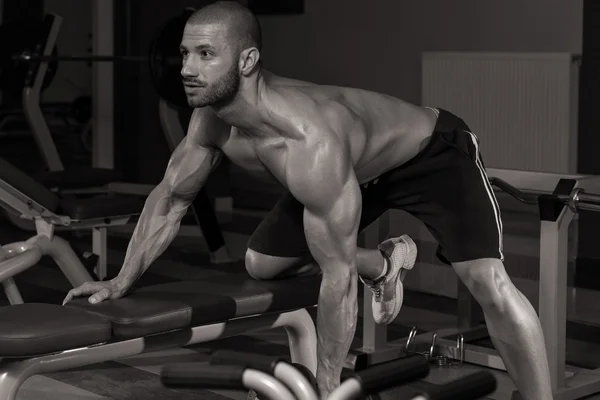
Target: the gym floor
pixel 137 377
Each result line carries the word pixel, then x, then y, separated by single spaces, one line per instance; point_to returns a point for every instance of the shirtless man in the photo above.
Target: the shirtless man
pixel 346 156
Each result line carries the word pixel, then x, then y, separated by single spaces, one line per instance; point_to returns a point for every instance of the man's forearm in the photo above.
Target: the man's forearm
pixel 336 324
pixel 157 227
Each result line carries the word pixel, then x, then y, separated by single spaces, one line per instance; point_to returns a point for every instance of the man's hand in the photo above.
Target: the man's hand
pixel 99 291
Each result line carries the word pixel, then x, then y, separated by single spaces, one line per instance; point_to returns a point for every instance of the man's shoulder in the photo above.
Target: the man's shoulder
pixel 207 129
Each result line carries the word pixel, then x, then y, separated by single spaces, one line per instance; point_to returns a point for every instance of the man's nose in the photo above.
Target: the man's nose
pixel 188 69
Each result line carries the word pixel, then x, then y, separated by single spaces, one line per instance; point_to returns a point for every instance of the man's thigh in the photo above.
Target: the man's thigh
pixel 449 191
pixel 281 233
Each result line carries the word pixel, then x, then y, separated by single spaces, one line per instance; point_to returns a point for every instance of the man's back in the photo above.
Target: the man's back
pixel 381 131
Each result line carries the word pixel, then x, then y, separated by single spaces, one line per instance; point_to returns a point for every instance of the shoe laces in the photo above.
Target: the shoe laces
pixel 376 289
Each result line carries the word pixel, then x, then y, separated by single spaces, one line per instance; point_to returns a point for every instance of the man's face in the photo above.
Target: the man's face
pixel 210 68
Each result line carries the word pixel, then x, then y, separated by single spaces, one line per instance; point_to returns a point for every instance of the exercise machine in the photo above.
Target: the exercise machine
pixel 24 198
pixel 291 380
pixel 559 197
pixel 104 180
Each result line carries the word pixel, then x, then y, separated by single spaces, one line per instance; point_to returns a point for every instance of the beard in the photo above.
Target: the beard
pixel 220 92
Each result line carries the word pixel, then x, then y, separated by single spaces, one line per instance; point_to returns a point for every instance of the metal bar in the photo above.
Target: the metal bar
pixel 553 292
pixel 100 248
pixel 469 312
pixel 31 105
pixel 523 197
pixel 102 88
pixel 587 199
pixel 582 384
pixel 27 57
pixel 534 181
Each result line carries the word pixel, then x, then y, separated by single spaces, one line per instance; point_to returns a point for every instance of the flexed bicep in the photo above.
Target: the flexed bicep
pixel 196 156
pixel 189 168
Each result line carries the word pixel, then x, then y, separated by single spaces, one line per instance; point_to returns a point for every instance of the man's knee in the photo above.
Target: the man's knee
pixel 487 281
pixel 264 267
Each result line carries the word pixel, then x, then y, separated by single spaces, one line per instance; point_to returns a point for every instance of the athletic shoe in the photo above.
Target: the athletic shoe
pixel 388 291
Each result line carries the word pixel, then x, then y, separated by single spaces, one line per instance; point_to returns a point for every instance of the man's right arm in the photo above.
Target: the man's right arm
pixel 188 170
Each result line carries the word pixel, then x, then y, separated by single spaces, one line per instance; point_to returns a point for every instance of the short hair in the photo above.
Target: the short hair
pixel 239 19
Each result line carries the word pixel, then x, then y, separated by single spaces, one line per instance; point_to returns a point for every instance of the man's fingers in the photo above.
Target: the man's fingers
pixel 100 296
pixel 68 298
pixel 82 290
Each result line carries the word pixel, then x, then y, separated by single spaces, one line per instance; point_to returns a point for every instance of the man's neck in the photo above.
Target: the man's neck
pixel 244 111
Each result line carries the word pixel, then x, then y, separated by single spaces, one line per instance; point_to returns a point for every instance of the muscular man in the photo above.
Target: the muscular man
pixel 346 156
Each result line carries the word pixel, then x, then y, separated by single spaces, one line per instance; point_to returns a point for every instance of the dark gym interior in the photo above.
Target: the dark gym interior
pixel 381 46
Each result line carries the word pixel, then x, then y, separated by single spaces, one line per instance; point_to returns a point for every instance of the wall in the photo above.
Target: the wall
pixel 72 79
pixel 378 47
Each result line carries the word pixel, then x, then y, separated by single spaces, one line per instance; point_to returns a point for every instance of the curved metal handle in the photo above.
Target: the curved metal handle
pixel 196 375
pixel 523 197
pixel 19 263
pixel 381 377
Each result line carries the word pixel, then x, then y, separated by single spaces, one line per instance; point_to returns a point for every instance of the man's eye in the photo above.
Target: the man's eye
pixel 204 54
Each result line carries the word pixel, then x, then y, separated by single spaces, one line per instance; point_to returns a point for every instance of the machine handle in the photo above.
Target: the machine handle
pixel 392 373
pixel 470 387
pixel 249 360
pixel 196 375
pixel 523 197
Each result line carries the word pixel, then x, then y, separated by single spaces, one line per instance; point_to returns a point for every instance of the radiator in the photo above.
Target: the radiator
pixel 522 106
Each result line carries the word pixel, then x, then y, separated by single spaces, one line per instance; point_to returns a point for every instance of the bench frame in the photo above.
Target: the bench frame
pixel 18 256
pixel 568 382
pixel 298 324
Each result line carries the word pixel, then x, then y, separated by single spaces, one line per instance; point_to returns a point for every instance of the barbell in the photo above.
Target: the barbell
pixel 21 46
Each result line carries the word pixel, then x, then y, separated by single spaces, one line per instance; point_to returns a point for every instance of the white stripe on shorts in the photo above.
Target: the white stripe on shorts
pixel 490 192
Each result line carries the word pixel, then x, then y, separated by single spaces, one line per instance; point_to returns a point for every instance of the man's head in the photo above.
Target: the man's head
pixel 220 46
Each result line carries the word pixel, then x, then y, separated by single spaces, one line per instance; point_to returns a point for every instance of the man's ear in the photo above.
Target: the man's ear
pixel 249 59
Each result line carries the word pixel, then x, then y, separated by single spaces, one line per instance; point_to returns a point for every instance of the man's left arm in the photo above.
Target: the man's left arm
pixel 322 177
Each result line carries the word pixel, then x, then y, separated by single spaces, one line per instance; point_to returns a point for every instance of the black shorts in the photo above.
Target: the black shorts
pixel 444 185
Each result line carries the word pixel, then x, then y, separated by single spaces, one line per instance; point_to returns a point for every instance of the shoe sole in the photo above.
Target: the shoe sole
pixel 407 265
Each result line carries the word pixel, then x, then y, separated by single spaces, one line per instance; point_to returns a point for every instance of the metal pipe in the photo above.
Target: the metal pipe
pixel 589 207
pixel 95 58
pixel 587 199
pixel 28 57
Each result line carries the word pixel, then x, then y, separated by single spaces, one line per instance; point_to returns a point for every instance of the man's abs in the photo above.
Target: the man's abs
pixel 382 132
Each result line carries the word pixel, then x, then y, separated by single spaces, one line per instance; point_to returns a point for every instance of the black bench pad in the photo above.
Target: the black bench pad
pixel 159 308
pixel 32 329
pixel 100 206
pixel 79 208
pixel 80 177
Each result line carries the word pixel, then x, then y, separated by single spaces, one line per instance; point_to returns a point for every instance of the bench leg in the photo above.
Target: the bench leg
pixel 302 336
pixel 11 379
pixel 61 252
pixel 99 247
pixel 12 292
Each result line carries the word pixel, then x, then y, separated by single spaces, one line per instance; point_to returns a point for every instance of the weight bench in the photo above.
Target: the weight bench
pixel 38 338
pixel 24 197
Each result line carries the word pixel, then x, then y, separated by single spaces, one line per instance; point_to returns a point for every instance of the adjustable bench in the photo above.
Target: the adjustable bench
pixel 22 197
pixel 38 338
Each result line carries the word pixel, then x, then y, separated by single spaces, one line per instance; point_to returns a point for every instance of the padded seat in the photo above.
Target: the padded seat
pixel 77 208
pixel 34 328
pixel 82 177
pixel 159 308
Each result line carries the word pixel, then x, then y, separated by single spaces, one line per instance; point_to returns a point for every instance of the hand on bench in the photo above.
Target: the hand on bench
pixel 99 291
